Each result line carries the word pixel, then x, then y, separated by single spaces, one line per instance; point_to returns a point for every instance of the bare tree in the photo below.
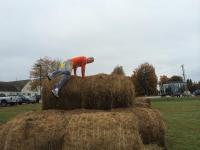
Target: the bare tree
pixel 41 68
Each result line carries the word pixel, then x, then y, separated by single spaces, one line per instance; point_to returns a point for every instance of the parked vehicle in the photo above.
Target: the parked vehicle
pixel 32 99
pixel 5 100
pixel 177 94
pixel 38 97
pixel 26 99
pixel 186 93
pixel 163 94
pixel 15 98
pixel 23 99
pixel 197 92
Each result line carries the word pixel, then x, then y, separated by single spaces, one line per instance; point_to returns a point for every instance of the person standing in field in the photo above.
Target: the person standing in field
pixel 66 68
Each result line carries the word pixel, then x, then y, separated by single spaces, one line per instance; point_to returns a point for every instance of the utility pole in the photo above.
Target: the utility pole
pixel 184 79
pixel 40 67
pixel 40 81
pixel 183 70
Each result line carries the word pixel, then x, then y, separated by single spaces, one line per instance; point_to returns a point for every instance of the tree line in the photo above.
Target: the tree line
pixel 144 76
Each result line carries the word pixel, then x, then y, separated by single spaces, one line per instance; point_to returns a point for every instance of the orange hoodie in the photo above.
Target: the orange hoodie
pixel 80 61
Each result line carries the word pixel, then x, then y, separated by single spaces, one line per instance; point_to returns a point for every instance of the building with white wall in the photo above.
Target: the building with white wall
pixel 26 90
pixel 22 87
pixel 173 88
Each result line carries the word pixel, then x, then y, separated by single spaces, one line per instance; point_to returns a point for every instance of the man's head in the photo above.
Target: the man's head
pixel 90 60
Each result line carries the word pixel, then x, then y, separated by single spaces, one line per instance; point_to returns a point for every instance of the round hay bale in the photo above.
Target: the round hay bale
pixel 151 126
pixel 0 126
pixel 153 147
pixel 33 131
pixel 142 102
pixel 94 92
pixel 60 130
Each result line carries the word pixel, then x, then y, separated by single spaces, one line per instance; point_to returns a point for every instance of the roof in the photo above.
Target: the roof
pixel 175 82
pixel 8 88
pixel 19 84
pixel 13 86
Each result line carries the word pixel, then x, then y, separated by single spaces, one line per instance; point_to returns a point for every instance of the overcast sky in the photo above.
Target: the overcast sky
pixel 116 32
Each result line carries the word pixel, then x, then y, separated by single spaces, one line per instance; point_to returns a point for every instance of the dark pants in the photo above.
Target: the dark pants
pixel 66 75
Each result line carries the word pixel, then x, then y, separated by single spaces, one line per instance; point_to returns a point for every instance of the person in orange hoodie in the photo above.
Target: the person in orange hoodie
pixel 66 68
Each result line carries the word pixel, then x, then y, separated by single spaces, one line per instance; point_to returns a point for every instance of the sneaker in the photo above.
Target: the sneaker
pixel 55 92
pixel 50 76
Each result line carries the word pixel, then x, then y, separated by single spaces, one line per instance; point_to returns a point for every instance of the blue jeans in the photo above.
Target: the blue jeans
pixel 66 75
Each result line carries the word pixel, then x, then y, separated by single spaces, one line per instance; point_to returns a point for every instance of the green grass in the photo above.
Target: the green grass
pixel 7 113
pixel 182 117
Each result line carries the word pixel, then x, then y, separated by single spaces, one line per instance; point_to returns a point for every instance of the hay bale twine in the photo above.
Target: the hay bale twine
pixel 60 130
pixel 94 92
pixel 151 126
pixel 142 102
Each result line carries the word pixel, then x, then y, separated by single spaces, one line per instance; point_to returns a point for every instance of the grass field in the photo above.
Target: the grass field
pixel 6 113
pixel 182 117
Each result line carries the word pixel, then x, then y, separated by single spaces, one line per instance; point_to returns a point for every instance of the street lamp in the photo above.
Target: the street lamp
pixel 40 66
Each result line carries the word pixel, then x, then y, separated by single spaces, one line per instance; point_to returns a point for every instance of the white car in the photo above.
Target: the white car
pixel 14 98
pixel 31 98
pixel 4 101
pixel 21 99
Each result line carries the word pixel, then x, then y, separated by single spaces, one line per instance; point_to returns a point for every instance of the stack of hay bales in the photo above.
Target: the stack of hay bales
pixel 98 112
pixel 56 130
pixel 94 92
